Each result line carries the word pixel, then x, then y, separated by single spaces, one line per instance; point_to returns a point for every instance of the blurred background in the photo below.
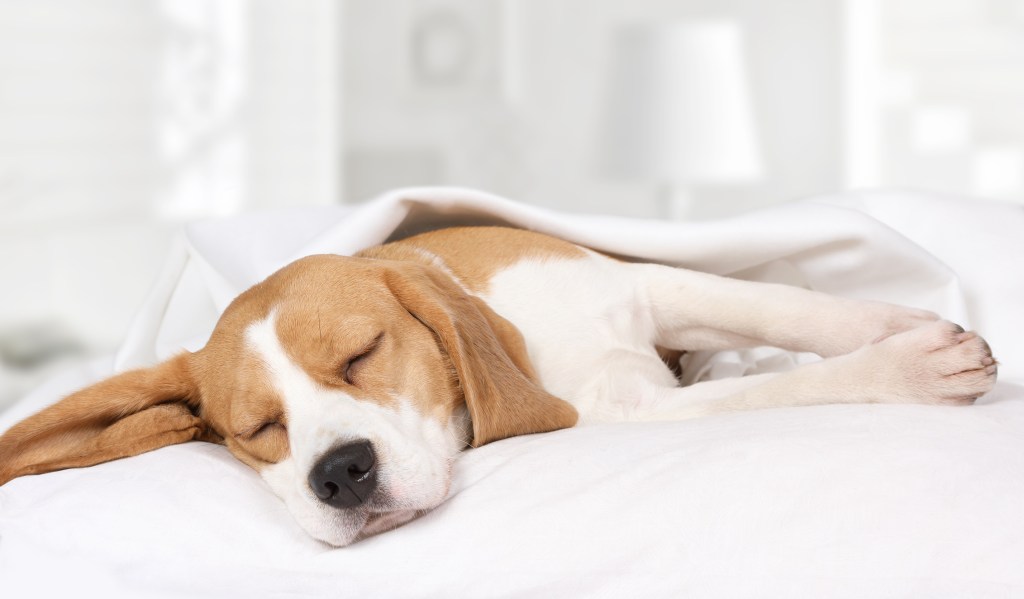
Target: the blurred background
pixel 122 120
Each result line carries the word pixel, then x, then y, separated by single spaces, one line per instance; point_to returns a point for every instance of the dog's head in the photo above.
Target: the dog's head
pixel 350 384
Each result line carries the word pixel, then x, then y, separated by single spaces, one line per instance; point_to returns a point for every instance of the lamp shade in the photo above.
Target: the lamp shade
pixel 679 105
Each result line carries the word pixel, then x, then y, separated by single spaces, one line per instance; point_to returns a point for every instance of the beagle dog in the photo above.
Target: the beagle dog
pixel 351 384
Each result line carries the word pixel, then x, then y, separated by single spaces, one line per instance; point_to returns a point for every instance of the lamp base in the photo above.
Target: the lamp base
pixel 676 202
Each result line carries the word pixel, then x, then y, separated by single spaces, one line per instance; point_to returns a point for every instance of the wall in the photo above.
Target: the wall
pixel 120 120
pixel 942 95
pixel 527 119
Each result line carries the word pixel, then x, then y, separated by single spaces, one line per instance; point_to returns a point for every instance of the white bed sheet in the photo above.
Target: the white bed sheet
pixel 831 501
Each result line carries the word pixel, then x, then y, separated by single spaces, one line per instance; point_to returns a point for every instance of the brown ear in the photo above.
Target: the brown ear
pixel 125 415
pixel 502 395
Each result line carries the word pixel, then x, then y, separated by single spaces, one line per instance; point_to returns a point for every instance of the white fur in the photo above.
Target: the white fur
pixel 589 339
pixel 414 453
pixel 591 325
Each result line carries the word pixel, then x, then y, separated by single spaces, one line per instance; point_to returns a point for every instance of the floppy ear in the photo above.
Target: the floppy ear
pixel 502 395
pixel 125 415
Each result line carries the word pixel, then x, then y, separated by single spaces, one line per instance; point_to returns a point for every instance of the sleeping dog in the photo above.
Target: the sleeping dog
pixel 351 384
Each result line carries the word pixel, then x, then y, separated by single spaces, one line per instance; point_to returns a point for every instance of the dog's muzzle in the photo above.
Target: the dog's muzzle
pixel 345 476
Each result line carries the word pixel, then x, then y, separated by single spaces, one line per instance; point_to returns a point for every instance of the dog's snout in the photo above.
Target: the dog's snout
pixel 346 475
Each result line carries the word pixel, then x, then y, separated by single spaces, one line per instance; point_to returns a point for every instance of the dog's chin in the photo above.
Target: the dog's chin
pixel 368 524
pixel 385 521
pixel 335 533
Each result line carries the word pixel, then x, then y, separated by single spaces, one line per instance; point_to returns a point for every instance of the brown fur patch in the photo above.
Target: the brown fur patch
pixel 349 317
pixel 126 415
pixel 503 399
pixel 475 254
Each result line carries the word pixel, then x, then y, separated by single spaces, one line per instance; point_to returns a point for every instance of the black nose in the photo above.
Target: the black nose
pixel 346 475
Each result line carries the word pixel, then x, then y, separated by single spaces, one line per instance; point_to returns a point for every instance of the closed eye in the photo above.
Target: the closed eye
pixel 262 429
pixel 268 427
pixel 352 366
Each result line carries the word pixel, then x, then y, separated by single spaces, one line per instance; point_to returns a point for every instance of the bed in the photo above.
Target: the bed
pixel 831 501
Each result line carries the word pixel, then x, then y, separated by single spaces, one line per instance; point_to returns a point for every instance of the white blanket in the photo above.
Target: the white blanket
pixel 830 501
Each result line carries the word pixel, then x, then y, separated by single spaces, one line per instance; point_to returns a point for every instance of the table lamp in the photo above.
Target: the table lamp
pixel 680 110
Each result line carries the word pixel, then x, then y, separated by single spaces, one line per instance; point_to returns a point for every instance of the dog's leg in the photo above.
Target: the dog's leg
pixel 697 311
pixel 937 363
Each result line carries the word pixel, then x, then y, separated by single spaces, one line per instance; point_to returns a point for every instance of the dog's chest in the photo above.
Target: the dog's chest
pixel 587 330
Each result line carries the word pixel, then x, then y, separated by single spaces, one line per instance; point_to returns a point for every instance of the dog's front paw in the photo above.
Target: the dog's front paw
pixel 938 363
pixel 863 323
pixel 892 320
